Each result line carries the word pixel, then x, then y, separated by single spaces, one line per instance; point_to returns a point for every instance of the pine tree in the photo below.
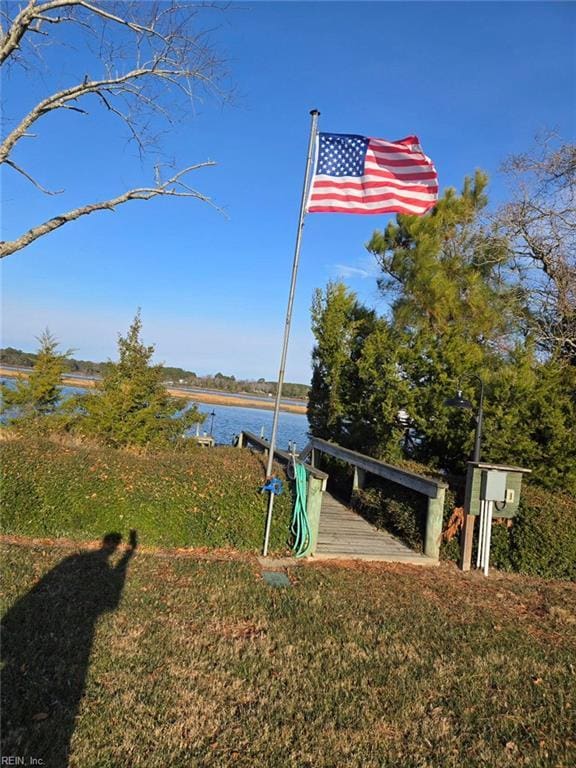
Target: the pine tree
pixel 454 315
pixel 131 406
pixel 357 391
pixel 382 395
pixel 457 315
pixel 339 322
pixel 442 271
pixel 38 396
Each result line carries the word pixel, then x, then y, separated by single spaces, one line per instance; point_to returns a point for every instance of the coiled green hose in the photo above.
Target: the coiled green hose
pixel 300 527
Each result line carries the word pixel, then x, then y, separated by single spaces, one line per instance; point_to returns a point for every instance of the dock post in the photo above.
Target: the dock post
pixel 313 508
pixel 359 480
pixel 434 519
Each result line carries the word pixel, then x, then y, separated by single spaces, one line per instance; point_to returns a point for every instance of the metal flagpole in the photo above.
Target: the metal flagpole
pixel 313 130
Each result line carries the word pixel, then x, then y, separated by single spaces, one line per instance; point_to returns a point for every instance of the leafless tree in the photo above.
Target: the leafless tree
pixel 540 224
pixel 150 57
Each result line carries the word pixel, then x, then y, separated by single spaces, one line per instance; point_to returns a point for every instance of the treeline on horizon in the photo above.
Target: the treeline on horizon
pixel 172 375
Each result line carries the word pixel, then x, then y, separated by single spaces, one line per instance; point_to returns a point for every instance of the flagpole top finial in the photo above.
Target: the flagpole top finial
pixel 314 111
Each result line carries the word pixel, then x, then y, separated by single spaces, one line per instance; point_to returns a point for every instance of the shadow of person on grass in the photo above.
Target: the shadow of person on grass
pixel 46 642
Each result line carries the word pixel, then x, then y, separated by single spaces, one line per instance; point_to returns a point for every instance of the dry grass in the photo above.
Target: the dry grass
pixel 203 664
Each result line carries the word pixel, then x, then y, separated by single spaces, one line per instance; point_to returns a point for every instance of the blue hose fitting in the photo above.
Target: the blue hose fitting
pixel 274 485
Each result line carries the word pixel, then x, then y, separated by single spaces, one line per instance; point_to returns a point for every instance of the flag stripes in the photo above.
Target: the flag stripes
pixel 355 174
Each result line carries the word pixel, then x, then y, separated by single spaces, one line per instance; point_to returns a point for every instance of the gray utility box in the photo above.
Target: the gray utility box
pixel 493 482
pixel 493 485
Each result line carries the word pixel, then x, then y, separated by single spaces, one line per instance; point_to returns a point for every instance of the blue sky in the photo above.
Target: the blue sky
pixel 475 81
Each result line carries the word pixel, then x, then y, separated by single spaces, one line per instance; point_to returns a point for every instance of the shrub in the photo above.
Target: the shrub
pixel 399 510
pixel 543 537
pixel 500 549
pixel 539 541
pixel 203 497
pixel 340 475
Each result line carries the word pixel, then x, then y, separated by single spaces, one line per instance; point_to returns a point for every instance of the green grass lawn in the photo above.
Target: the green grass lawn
pixel 197 498
pixel 182 661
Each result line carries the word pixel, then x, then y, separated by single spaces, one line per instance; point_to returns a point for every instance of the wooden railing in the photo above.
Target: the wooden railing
pixel 434 490
pixel 247 439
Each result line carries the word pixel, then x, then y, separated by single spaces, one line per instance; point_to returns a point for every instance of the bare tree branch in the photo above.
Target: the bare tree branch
pixel 540 225
pixel 33 12
pixel 60 99
pixel 172 187
pixel 150 55
pixel 31 179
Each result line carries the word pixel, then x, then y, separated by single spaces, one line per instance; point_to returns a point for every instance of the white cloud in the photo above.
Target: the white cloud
pixel 364 268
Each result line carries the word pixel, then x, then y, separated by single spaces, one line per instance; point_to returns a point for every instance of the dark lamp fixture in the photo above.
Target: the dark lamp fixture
pixel 461 402
pixel 458 401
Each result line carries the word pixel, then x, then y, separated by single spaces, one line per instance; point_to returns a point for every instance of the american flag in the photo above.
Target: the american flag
pixel 355 174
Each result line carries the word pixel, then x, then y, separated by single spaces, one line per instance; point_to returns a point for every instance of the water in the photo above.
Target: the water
pixel 229 420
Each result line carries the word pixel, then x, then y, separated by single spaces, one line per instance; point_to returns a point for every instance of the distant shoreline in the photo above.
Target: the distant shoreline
pixel 200 397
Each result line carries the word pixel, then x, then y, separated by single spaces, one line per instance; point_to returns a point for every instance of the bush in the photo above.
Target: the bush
pixel 130 405
pixel 340 475
pixel 540 541
pixel 543 537
pixel 203 497
pixel 399 510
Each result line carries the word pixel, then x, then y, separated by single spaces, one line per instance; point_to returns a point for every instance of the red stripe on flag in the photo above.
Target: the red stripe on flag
pixel 366 199
pixel 423 175
pixel 374 158
pixel 402 145
pixel 425 189
pixel 385 209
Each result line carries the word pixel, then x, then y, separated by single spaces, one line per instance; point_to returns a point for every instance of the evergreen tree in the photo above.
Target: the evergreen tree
pixel 454 316
pixel 357 391
pixel 339 323
pixel 130 405
pixel 382 397
pixel 38 396
pixel 443 271
pixel 455 312
pixel 530 417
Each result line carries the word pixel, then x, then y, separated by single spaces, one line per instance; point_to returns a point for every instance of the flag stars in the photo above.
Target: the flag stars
pixel 341 155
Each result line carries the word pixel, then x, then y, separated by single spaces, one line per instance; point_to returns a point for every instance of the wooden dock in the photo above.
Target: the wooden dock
pixel 344 535
pixel 206 441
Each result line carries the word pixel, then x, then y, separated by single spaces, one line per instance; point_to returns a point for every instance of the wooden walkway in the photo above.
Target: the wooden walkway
pixel 345 535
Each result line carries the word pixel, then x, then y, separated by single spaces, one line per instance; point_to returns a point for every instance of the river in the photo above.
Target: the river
pixel 229 420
